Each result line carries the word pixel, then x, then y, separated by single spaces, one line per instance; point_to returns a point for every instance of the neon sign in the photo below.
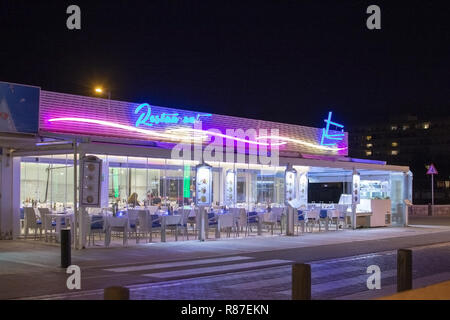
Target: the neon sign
pixel 148 119
pixel 326 132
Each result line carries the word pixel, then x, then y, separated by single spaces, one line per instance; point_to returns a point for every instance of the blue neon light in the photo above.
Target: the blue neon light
pixel 148 119
pixel 326 132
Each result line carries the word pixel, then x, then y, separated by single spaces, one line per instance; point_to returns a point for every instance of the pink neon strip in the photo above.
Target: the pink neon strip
pixel 301 142
pixel 234 138
pixel 153 133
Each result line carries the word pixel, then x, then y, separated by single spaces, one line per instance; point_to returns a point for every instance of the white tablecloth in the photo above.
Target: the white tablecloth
pixel 225 220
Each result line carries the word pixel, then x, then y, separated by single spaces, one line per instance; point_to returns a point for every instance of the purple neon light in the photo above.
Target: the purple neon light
pixel 368 161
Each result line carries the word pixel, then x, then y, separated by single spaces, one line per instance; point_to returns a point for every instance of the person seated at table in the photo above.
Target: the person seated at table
pixel 133 200
pixel 156 200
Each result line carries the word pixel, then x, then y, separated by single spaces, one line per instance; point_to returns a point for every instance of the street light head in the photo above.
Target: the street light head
pixel 98 90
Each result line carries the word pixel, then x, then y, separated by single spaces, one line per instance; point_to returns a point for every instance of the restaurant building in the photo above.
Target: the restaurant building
pixel 156 154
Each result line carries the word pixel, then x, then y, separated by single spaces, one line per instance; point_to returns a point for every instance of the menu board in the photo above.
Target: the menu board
pixel 230 187
pixel 290 184
pixel 91 172
pixel 303 189
pixel 203 184
pixel 356 187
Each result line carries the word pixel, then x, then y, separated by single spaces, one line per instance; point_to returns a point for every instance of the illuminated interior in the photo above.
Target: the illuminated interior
pixel 49 181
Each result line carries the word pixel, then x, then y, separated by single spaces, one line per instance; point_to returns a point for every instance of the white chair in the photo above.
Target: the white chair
pixel 241 219
pixel 31 222
pixel 191 217
pixel 279 212
pixel 116 224
pixel 144 226
pixel 225 222
pixel 47 223
pixel 172 222
pixel 300 220
pixel 133 221
pixel 236 213
pixel 270 219
pixel 154 222
pixel 341 210
pixel 312 219
pixel 184 221
pixel 96 225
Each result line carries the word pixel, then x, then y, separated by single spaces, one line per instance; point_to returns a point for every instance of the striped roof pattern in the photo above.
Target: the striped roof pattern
pixel 60 105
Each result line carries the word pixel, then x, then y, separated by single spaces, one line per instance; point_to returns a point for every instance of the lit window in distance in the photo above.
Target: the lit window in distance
pixel 368 153
pixel 368 138
pixel 426 125
pixel 369 145
pixel 394 144
pixel 394 152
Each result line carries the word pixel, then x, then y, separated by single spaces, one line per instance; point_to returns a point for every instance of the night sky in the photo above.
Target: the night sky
pixel 286 61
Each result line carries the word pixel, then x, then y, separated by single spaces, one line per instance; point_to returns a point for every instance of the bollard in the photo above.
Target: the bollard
pixel 404 270
pixel 65 248
pixel 117 293
pixel 301 282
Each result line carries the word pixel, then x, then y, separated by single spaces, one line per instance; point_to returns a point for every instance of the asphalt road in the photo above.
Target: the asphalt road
pixel 342 274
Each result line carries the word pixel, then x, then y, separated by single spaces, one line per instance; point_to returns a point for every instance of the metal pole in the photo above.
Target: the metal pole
pixel 65 248
pixel 432 194
pixel 404 270
pixel 109 101
pixel 75 199
pixel 301 282
pixel 116 293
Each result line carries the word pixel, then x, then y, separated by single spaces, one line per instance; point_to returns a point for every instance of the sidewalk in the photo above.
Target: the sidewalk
pixel 30 268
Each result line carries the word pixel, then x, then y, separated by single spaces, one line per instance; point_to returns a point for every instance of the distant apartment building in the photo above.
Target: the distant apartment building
pixel 411 141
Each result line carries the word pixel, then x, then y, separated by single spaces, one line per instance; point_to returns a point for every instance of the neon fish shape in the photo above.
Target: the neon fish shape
pixel 326 132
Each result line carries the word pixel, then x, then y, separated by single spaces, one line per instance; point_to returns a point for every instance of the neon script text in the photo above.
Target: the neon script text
pixel 147 118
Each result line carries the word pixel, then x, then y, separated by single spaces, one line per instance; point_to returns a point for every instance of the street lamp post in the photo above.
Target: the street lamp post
pixel 100 90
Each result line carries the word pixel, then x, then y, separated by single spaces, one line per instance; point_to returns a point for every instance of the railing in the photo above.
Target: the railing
pixel 428 210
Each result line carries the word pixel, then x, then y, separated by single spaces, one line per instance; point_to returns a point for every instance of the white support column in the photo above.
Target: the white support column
pixel 223 175
pixel 75 195
pixel 355 196
pixel 406 196
pixel 303 189
pixel 290 216
pixel 105 184
pixel 9 196
pixel 81 211
pixel 201 224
